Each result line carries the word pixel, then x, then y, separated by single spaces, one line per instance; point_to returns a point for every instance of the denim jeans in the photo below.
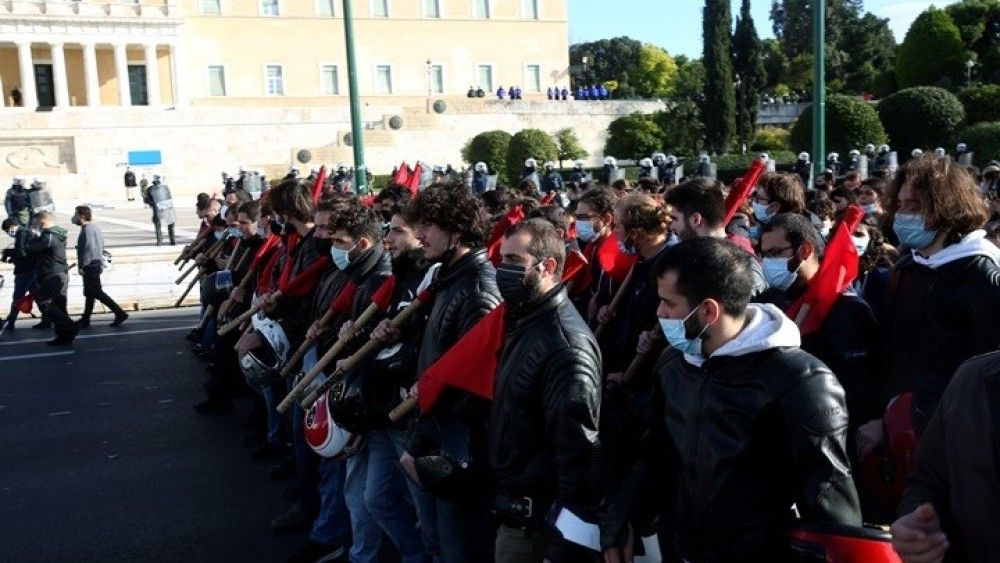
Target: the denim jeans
pixel 306 460
pixel 333 524
pixel 383 492
pixel 366 535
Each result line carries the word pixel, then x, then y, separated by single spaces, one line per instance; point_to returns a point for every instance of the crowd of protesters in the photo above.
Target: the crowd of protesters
pixel 458 372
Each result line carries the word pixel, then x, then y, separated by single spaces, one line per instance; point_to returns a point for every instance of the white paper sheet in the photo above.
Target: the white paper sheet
pixel 576 530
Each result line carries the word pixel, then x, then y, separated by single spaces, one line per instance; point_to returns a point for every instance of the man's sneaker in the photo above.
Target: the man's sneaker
pixel 44 325
pixel 296 518
pixel 193 336
pixel 314 552
pixel 119 319
pixel 83 323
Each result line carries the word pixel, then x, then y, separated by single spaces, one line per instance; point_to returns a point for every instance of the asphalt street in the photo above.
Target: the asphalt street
pixel 130 224
pixel 103 459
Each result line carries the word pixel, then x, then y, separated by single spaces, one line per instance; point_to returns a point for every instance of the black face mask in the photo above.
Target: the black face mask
pixel 323 245
pixel 515 287
pixel 276 228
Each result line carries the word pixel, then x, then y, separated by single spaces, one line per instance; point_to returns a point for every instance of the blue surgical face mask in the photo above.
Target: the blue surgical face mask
pixel 910 230
pixel 776 273
pixel 341 257
pixel 870 208
pixel 585 231
pixel 754 232
pixel 233 232
pixel 218 234
pixel 626 248
pixel 861 243
pixel 676 334
pixel 761 213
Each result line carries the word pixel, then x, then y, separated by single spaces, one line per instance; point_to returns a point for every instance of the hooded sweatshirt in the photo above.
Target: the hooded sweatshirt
pixel 767 327
pixel 972 244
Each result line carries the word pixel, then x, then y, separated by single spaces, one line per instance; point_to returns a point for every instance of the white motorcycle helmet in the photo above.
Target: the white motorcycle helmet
pixel 882 149
pixel 672 160
pixel 263 363
pixel 869 148
pixel 833 157
pixel 610 161
pixel 854 154
pixel 550 165
pixel 659 157
pixel 324 436
pixel 481 167
pixel 917 153
pixel 804 156
pixel 765 157
pixel 646 163
pixel 530 163
pixel 705 159
pixel 940 152
pixel 962 147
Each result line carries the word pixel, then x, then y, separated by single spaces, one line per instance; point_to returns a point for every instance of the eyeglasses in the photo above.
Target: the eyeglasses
pixel 775 252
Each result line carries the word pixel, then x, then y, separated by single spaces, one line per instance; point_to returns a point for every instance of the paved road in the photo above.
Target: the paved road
pixel 130 224
pixel 102 458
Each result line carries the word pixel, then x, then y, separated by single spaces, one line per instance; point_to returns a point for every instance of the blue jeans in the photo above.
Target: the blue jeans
pixel 333 524
pixel 376 486
pixel 306 460
pixel 465 530
pixel 366 537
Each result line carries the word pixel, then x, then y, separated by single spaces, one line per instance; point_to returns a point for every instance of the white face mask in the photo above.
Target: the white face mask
pixel 861 243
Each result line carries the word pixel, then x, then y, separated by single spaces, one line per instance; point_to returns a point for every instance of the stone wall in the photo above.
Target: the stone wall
pixel 82 151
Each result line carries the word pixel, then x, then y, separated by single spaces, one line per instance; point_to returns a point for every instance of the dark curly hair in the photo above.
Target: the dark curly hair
pixel 453 209
pixel 601 200
pixel 359 221
pixel 292 198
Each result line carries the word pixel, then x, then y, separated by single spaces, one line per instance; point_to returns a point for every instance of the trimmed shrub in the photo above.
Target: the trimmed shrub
pixel 925 117
pixel 984 140
pixel 932 52
pixel 771 139
pixel 489 147
pixel 529 143
pixel 633 136
pixel 851 123
pixel 982 103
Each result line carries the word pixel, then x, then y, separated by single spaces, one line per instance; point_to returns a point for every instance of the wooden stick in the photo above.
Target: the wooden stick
pixel 297 356
pixel 228 327
pixel 633 367
pixel 210 253
pixel 369 348
pixel 616 301
pixel 236 250
pixel 188 290
pixel 324 361
pixel 194 244
pixel 185 274
pixel 402 409
pixel 209 311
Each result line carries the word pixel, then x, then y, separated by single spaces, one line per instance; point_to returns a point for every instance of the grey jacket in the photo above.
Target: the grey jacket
pixel 90 247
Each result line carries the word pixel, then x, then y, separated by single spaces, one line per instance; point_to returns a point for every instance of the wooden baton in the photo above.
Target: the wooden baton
pixel 228 327
pixel 616 301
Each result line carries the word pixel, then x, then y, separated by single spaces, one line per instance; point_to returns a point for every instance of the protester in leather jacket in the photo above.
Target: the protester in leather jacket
pixel 744 422
pixel 943 300
pixel 452 226
pixel 544 415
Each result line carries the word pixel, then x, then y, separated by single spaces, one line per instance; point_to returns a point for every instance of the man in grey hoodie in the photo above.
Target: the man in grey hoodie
pixel 90 260
pixel 743 423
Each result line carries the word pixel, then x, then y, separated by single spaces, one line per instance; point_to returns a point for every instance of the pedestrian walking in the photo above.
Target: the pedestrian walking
pixel 130 184
pixel 90 261
pixel 49 248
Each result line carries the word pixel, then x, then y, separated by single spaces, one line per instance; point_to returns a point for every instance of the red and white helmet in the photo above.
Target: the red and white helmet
pixel 324 436
pixel 834 543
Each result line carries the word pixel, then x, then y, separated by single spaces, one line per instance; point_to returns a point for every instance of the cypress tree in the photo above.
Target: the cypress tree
pixel 749 64
pixel 719 106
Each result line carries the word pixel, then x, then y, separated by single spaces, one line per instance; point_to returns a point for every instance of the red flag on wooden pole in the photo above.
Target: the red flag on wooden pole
pixel 470 364
pixel 413 182
pixel 317 191
pixel 382 297
pixel 513 217
pixel 345 299
pixel 306 281
pixel 402 175
pixel 742 187
pixel 838 269
pixel 612 260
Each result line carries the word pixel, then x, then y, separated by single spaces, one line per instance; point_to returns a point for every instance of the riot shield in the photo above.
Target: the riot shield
pixel 966 158
pixel 615 175
pixel 163 204
pixel 491 182
pixel 860 166
pixel 41 200
pixel 770 165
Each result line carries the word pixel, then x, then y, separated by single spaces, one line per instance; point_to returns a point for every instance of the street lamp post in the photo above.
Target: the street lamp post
pixel 969 64
pixel 430 87
pixel 819 86
pixel 357 135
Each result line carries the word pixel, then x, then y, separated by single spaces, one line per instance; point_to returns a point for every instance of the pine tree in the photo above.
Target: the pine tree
pixel 749 64
pixel 719 107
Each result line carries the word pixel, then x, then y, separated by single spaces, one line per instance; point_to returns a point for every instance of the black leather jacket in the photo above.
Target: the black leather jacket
pixel 935 320
pixel 49 249
pixel 293 311
pixel 732 445
pixel 546 405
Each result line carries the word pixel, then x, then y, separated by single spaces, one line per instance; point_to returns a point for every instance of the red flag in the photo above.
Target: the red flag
pixel 576 272
pixel 402 175
pixel 345 299
pixel 266 277
pixel 264 251
pixel 838 269
pixel 413 182
pixel 367 200
pixel 513 217
pixel 742 188
pixel 318 185
pixel 470 364
pixel 571 232
pixel 291 245
pixel 612 260
pixel 549 198
pixel 306 281
pixel 382 297
pixel 25 303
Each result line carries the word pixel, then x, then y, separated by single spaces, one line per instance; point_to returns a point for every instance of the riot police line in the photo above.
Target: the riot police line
pixel 582 369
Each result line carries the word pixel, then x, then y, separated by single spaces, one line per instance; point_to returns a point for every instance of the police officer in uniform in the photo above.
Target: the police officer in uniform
pixel 480 178
pixel 17 203
pixel 158 197
pixel 552 181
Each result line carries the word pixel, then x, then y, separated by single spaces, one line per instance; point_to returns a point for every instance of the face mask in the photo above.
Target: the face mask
pixel 276 228
pixel 675 332
pixel 585 230
pixel 233 232
pixel 261 232
pixel 909 228
pixel 754 232
pixel 777 275
pixel 12 233
pixel 627 249
pixel 323 245
pixel 75 220
pixel 761 213
pixel 514 286
pixel 870 208
pixel 861 243
pixel 218 234
pixel 341 257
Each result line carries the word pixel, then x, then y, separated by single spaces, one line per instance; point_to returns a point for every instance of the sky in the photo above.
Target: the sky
pixel 675 25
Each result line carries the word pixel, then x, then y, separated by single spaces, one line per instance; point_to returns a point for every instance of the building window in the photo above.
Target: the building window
pixel 269 7
pixel 481 9
pixel 529 9
pixel 275 80
pixel 324 8
pixel 329 80
pixel 216 80
pixel 533 78
pixel 437 79
pixel 432 8
pixel 380 8
pixel 383 79
pixel 211 7
pixel 485 73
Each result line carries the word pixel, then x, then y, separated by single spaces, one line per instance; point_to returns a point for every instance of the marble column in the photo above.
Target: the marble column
pixel 29 95
pixel 59 82
pixel 121 71
pixel 152 76
pixel 90 74
pixel 179 79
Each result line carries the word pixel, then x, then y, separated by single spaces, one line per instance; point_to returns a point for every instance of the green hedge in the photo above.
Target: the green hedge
pixel 490 147
pixel 925 117
pixel 851 123
pixel 984 140
pixel 982 103
pixel 530 143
